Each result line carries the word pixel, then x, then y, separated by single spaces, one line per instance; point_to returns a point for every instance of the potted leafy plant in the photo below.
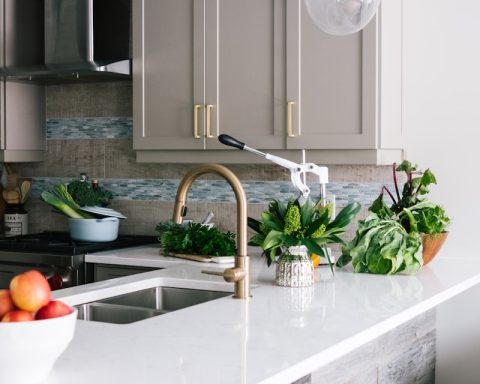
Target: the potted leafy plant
pixel 289 231
pixel 403 236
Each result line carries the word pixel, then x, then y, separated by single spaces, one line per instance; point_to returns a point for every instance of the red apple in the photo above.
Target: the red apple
pixel 53 309
pixel 30 291
pixel 17 315
pixel 6 302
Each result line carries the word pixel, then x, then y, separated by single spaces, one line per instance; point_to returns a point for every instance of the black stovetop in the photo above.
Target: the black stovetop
pixel 60 243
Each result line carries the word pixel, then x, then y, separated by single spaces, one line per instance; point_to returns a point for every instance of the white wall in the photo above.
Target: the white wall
pixel 442 120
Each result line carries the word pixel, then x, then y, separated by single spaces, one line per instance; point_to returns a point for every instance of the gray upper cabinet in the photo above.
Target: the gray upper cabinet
pixel 22 125
pixel 245 67
pixel 202 68
pixel 325 82
pixel 261 71
pixel 344 93
pixel 168 55
pixel 22 105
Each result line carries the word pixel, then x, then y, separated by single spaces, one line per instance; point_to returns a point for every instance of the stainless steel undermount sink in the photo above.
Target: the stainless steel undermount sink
pixel 140 305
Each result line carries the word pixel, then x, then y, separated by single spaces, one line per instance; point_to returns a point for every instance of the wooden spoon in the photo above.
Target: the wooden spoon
pixel 25 186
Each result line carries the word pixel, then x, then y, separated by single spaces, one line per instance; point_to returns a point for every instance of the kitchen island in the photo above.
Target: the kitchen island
pixel 278 336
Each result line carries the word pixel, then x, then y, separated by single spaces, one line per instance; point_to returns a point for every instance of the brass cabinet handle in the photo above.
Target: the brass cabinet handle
pixel 209 108
pixel 196 108
pixel 290 105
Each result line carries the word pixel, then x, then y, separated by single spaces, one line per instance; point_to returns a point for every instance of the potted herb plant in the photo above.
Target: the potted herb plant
pixel 288 232
pixel 403 236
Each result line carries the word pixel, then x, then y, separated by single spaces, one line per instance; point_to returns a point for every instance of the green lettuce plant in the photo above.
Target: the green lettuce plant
pixel 382 246
pixel 389 240
pixel 310 224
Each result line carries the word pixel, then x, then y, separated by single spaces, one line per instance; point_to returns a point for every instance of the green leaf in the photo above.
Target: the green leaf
pixel 345 216
pixel 343 260
pixel 411 219
pixel 380 208
pixel 253 224
pixel 271 222
pixel 273 239
pixel 307 210
pixel 271 256
pixel 428 178
pixel 277 210
pixel 314 247
pixel 314 226
pixel 406 166
pixel 431 220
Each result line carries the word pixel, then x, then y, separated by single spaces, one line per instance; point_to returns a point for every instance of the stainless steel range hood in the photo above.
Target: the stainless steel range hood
pixel 83 40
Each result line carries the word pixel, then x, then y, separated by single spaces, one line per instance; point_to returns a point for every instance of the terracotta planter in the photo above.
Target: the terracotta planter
pixel 431 245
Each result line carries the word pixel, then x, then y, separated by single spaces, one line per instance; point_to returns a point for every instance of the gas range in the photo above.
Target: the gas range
pixel 59 258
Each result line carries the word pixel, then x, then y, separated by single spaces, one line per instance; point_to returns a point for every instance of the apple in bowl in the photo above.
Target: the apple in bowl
pixel 30 291
pixel 6 302
pixel 34 330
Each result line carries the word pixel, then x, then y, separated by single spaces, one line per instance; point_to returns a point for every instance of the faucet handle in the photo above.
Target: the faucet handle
pixel 231 274
pixel 216 273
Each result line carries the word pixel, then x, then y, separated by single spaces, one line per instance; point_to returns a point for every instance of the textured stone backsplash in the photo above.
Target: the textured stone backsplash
pixel 89 129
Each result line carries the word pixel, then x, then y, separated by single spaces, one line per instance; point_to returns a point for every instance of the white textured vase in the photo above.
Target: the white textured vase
pixel 294 268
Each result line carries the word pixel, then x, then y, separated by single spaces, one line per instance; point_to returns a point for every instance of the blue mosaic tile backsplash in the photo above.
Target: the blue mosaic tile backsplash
pixel 89 128
pixel 165 189
pixel 218 191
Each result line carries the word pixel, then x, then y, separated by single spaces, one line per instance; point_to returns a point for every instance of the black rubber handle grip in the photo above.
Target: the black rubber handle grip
pixel 230 141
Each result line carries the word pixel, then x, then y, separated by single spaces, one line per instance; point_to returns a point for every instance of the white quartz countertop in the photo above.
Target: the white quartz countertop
pixel 278 336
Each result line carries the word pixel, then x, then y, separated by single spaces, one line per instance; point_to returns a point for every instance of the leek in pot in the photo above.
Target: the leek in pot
pixel 84 205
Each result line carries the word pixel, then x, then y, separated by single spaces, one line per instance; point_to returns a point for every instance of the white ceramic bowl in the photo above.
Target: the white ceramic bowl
pixel 29 349
pixel 100 230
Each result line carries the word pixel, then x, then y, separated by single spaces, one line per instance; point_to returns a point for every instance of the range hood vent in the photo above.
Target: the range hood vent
pixel 83 40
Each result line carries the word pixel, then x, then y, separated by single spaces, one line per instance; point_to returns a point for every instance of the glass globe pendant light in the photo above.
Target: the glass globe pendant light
pixel 341 17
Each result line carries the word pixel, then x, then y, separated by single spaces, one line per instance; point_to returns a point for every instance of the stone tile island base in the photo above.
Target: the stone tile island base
pixel 405 355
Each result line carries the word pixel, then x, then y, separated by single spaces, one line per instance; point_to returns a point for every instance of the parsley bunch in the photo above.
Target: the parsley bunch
pixel 195 239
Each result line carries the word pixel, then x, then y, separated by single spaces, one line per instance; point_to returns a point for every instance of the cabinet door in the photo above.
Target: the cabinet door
pixel 245 66
pixel 168 74
pixel 22 132
pixel 330 86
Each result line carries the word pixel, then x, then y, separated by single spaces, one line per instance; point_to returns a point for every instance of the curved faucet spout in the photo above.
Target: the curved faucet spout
pixel 240 273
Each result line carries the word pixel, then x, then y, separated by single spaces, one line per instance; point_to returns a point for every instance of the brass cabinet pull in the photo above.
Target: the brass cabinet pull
pixel 196 108
pixel 209 108
pixel 290 105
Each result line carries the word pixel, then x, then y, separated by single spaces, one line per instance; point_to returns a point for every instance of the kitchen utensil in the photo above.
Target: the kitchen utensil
pixel 297 171
pixel 208 218
pixel 25 186
pixel 12 197
pixel 98 230
pixel 206 258
pixel 12 181
pixel 203 259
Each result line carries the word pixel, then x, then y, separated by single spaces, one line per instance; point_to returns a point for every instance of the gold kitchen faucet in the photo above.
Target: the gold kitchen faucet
pixel 239 274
